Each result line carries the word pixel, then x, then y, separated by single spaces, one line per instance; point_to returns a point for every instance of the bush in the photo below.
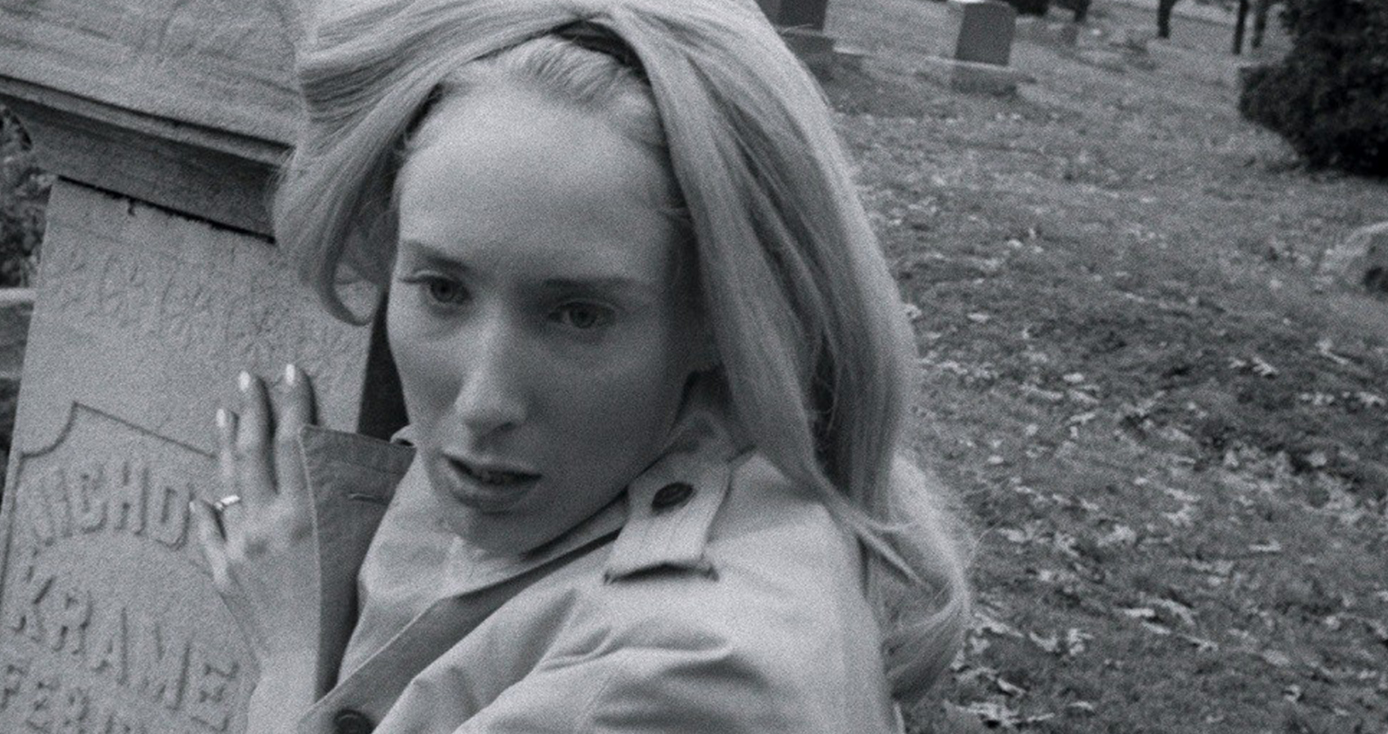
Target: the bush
pixel 23 195
pixel 1329 97
pixel 1030 7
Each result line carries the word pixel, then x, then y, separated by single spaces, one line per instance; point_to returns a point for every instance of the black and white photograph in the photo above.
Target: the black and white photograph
pixel 694 366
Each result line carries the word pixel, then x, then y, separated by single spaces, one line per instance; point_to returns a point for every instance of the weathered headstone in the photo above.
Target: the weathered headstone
pixel 981 31
pixel 801 23
pixel 164 120
pixel 1361 260
pixel 804 14
pixel 978 46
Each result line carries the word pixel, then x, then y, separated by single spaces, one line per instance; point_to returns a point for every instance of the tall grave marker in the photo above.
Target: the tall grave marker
pixel 164 120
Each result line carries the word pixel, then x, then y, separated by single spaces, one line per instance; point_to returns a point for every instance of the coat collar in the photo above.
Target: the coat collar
pixel 662 521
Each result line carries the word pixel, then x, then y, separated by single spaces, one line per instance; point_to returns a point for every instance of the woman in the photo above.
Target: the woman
pixel 655 370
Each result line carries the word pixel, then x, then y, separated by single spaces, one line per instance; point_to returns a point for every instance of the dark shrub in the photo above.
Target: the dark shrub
pixel 1030 7
pixel 1079 7
pixel 23 194
pixel 1329 97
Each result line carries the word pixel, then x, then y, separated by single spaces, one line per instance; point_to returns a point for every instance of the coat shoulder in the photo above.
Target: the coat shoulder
pixel 778 619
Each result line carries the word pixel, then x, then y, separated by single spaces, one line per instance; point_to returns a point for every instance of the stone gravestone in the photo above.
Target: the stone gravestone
pixel 978 38
pixel 982 31
pixel 164 120
pixel 807 14
pixel 801 23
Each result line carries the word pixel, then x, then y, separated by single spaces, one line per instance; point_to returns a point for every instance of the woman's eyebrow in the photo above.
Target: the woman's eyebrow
pixel 428 252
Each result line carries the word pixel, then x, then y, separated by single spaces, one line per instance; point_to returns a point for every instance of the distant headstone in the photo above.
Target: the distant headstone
pixel 801 23
pixel 981 31
pixel 164 120
pixel 802 14
pixel 1361 260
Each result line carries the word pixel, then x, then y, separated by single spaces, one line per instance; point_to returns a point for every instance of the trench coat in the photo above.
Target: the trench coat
pixel 712 596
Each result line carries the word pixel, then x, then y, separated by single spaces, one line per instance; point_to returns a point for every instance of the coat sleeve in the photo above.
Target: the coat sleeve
pixel 665 661
pixel 711 687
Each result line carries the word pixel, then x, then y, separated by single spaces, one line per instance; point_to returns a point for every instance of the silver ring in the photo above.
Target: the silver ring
pixel 226 502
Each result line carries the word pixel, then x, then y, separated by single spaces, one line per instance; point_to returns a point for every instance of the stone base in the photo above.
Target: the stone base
pixel 974 78
pixel 964 76
pixel 1048 32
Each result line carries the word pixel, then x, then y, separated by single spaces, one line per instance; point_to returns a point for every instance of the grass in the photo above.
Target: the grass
pixel 1169 435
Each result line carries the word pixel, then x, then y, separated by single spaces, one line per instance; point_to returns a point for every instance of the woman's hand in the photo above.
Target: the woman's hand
pixel 258 538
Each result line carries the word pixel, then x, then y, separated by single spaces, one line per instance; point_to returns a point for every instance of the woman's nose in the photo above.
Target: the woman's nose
pixel 491 395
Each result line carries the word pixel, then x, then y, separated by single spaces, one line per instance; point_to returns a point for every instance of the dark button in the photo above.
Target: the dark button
pixel 671 496
pixel 348 721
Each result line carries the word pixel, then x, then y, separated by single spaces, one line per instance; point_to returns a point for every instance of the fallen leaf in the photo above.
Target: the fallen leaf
pixel 994 713
pixel 1182 518
pixel 995 626
pixel 1120 535
pixel 1275 658
pixel 1201 644
pixel 1015 535
pixel 1010 688
pixel 1076 641
pixel 1139 612
pixel 1081 419
pixel 1156 629
pixel 1272 546
pixel 1049 643
pixel 1370 400
pixel 1181 611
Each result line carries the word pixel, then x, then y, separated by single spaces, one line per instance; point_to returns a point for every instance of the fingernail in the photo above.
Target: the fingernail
pixel 244 380
pixel 291 375
pixel 221 418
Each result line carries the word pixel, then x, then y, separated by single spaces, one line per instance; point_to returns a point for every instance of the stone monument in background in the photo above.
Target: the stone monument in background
pixel 978 46
pixel 801 23
pixel 165 121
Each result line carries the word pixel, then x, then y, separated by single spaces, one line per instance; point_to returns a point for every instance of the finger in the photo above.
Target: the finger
pixel 296 411
pixel 226 451
pixel 210 537
pixel 226 467
pixel 255 475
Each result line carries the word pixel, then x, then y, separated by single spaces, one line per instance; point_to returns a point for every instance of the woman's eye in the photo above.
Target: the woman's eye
pixel 443 290
pixel 584 316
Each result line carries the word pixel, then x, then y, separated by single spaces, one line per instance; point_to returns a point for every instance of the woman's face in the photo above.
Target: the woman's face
pixel 537 315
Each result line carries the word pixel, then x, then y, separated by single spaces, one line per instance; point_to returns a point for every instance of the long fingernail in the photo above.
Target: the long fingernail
pixel 222 418
pixel 244 380
pixel 291 375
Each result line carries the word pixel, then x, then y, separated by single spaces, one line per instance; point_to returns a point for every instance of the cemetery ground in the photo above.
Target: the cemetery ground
pixel 1169 437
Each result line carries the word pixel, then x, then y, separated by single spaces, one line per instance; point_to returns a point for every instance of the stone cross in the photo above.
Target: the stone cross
pixel 165 121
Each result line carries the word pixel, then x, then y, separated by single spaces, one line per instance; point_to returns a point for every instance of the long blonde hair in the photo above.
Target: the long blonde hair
pixel 817 353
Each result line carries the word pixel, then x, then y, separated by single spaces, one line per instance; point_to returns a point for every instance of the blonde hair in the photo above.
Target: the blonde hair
pixel 815 348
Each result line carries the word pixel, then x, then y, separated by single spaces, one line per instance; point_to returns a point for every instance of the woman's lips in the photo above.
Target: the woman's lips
pixel 487 487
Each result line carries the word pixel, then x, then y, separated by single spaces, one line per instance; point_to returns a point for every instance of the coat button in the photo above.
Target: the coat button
pixel 348 721
pixel 671 496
